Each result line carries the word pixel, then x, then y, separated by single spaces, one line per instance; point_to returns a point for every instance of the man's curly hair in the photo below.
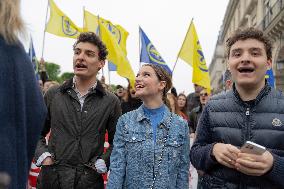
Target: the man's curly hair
pixel 250 33
pixel 92 38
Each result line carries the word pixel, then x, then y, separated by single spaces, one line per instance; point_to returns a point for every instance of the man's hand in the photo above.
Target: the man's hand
pixel 42 62
pixel 255 165
pixel 226 154
pixel 101 166
pixel 47 161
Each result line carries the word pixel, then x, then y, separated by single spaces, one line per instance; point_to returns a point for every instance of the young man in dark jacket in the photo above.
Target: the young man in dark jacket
pixel 251 111
pixel 79 113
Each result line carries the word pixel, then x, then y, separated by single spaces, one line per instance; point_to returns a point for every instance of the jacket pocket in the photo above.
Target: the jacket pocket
pixel 174 148
pixel 134 141
pixel 48 178
pixel 135 151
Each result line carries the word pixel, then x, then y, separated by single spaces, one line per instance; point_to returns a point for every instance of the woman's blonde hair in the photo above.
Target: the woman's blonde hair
pixel 11 24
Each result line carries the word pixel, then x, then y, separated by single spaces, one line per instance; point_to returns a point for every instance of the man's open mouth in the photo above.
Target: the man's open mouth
pixel 245 70
pixel 80 66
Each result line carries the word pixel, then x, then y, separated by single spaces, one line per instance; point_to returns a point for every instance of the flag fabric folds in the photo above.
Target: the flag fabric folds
pixel 116 54
pixel 32 56
pixel 270 77
pixel 91 23
pixel 61 25
pixel 149 53
pixel 114 36
pixel 192 54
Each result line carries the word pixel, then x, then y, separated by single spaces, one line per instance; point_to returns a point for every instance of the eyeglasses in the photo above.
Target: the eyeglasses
pixel 203 94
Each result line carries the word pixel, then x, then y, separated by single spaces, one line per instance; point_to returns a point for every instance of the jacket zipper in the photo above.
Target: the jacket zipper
pixel 247 123
pixel 247 112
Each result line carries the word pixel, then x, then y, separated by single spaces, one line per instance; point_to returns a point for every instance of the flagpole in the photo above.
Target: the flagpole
pixel 99 34
pixel 108 74
pixel 84 18
pixel 43 41
pixel 182 46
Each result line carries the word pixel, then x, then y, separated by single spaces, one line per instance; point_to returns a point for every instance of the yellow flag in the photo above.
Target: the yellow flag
pixel 91 22
pixel 116 54
pixel 59 24
pixel 118 32
pixel 114 36
pixel 192 54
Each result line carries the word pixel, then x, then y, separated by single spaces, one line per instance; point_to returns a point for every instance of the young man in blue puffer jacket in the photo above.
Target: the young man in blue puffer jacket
pixel 251 111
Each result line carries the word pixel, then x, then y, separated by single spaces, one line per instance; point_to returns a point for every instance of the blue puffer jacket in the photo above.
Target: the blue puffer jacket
pixel 227 119
pixel 135 157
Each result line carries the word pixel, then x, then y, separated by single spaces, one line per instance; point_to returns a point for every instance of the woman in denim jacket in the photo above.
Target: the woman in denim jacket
pixel 151 144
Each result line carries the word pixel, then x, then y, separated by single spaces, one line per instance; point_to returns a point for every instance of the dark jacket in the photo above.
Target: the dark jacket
pixel 227 119
pixel 194 116
pixel 192 101
pixel 131 104
pixel 22 113
pixel 77 136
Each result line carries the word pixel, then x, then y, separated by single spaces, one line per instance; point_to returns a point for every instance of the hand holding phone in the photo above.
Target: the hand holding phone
pixel 252 148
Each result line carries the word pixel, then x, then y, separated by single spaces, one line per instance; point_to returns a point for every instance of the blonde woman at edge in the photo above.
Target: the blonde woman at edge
pixel 22 109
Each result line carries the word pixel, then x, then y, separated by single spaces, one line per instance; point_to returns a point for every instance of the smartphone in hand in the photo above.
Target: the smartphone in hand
pixel 253 148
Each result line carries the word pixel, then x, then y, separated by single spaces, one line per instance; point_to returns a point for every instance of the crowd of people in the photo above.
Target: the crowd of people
pixel 63 128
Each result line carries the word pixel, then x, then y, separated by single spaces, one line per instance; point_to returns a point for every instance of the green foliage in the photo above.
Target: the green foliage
pixel 113 88
pixel 53 71
pixel 66 75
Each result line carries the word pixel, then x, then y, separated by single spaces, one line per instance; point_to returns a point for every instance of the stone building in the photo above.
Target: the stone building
pixel 267 15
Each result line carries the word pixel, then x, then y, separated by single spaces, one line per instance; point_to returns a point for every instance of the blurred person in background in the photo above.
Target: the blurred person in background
pixel 120 93
pixel 132 102
pixel 195 114
pixel 182 105
pixel 173 103
pixel 22 109
pixel 48 84
pixel 193 98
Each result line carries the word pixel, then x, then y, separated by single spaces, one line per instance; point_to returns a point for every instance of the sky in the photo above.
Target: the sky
pixel 165 22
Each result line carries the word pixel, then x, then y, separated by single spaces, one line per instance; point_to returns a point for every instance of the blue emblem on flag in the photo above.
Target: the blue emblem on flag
pixel 202 64
pixel 149 53
pixel 113 30
pixel 154 55
pixel 67 28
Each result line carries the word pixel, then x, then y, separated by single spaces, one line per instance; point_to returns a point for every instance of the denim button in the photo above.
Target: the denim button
pixel 133 138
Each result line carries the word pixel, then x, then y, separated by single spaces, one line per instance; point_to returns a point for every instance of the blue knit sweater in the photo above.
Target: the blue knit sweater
pixel 156 115
pixel 22 113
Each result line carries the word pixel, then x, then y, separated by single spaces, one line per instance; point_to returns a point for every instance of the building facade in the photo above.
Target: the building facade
pixel 267 15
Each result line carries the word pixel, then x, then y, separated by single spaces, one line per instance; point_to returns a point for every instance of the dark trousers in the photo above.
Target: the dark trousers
pixel 66 177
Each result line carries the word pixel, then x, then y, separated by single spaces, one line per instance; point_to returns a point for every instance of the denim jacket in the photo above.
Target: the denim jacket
pixel 135 158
